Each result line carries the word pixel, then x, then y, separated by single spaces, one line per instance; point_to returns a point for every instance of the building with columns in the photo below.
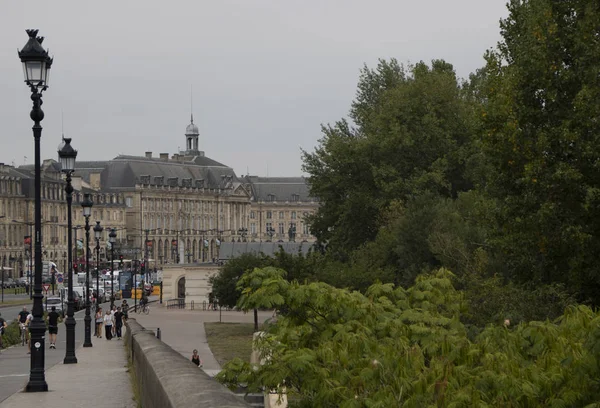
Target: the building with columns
pixel 185 204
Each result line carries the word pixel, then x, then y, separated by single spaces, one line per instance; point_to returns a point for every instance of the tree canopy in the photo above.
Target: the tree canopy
pixel 407 347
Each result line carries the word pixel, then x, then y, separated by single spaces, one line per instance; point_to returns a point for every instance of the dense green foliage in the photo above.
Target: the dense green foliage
pixel 407 347
pixel 495 176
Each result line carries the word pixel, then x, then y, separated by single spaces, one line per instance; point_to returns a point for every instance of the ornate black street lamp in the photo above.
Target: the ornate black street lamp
pixel 36 67
pixel 112 239
pixel 67 156
pixel 98 234
pixel 87 204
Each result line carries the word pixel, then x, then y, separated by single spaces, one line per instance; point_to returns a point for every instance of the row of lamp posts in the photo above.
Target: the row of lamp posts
pixel 36 67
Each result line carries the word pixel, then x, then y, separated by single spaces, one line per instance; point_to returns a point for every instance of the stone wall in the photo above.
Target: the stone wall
pixel 166 379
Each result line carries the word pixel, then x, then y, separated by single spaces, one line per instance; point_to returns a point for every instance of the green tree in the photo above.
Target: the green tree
pixel 414 135
pixel 407 347
pixel 542 139
pixel 261 288
pixel 224 283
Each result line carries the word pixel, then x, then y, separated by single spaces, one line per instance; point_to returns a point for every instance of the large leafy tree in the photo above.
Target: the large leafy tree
pixel 413 135
pixel 542 139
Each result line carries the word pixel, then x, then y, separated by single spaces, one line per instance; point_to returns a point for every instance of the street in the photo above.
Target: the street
pixel 14 362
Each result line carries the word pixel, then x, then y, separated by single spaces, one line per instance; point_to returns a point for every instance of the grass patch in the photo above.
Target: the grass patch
pixel 16 302
pixel 229 340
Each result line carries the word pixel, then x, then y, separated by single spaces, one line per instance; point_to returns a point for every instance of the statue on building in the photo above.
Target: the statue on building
pixel 292 233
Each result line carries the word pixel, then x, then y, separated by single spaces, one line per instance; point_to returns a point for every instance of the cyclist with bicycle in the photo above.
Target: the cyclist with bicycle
pixel 22 318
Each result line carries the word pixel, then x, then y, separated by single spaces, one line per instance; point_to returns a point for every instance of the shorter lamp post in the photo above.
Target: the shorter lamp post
pixel 67 156
pixel 87 204
pixel 112 238
pixel 243 232
pixel 98 234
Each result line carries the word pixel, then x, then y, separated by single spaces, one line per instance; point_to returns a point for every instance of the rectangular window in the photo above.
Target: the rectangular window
pixel 281 215
pixel 293 215
pixel 252 228
pixel 305 229
pixel 269 215
pixel 252 215
pixel 269 227
pixel 281 228
pixel 129 202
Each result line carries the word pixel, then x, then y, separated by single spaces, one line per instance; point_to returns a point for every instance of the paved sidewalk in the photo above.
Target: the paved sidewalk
pixel 99 378
pixel 183 330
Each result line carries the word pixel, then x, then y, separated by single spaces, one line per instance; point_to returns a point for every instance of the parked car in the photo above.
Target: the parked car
pixel 9 283
pixel 78 296
pixel 57 302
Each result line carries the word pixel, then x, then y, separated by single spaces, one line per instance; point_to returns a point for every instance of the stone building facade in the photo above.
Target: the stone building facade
pixel 183 205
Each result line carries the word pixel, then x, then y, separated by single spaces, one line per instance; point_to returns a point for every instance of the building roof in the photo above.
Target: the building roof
pixel 280 189
pixel 127 171
pixel 230 250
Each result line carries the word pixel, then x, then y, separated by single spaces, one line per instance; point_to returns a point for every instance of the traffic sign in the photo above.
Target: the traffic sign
pixel 60 278
pixel 46 286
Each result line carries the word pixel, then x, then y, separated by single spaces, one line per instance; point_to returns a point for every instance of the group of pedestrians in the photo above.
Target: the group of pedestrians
pixel 111 320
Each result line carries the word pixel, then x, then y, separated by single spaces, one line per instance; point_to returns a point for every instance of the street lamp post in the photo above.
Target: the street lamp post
pixel 112 239
pixel 87 204
pixel 98 234
pixel 67 156
pixel 36 67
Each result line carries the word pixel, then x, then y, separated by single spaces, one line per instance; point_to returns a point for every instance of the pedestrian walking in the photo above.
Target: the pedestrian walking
pixel 3 326
pixel 125 309
pixel 196 358
pixel 52 326
pixel 99 320
pixel 118 322
pixel 108 324
pixel 113 310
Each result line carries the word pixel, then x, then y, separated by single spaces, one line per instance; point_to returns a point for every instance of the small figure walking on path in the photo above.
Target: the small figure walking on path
pixel 196 358
pixel 3 325
pixel 53 327
pixel 99 321
pixel 108 324
pixel 118 322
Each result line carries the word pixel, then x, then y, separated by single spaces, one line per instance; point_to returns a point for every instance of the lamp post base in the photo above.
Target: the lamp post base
pixel 88 328
pixel 36 386
pixel 70 357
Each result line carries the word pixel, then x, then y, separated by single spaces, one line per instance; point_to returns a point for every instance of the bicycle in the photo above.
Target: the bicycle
pixel 143 308
pixel 23 333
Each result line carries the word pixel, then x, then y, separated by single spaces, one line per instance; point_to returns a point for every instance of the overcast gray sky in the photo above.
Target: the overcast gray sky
pixel 265 73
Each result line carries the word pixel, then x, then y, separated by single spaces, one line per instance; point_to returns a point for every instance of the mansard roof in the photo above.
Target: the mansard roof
pixel 127 171
pixel 280 189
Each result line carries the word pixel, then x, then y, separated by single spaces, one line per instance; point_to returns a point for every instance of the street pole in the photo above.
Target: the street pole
pixel 98 234
pixel 145 271
pixel 87 209
pixel 112 239
pixel 36 64
pixel 135 286
pixel 70 321
pixel 3 259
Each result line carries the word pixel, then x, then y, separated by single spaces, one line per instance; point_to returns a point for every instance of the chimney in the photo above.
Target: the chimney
pixel 148 155
pixel 175 157
pixel 164 156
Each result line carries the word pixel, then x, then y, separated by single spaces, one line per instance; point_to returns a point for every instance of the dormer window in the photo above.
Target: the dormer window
pixel 271 197
pixel 295 197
